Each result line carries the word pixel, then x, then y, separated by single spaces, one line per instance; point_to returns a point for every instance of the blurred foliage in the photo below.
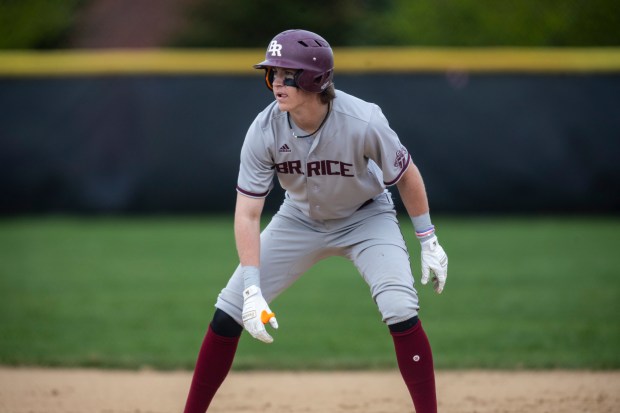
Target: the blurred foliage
pixel 498 23
pixel 36 24
pixel 238 23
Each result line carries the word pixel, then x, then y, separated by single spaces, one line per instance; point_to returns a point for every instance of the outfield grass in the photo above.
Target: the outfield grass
pixel 135 292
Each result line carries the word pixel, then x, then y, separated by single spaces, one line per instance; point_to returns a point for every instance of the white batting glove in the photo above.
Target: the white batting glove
pixel 435 260
pixel 256 314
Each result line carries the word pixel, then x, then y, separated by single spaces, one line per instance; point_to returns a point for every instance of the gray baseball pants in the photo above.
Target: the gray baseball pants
pixel 370 238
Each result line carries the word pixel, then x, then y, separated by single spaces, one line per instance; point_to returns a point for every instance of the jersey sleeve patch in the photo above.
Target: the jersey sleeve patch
pixel 403 158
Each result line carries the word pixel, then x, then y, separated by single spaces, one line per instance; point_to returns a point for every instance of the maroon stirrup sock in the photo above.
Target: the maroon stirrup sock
pixel 214 362
pixel 415 361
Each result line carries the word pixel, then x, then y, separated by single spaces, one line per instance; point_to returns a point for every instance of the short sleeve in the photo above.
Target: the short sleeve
pixel 383 146
pixel 256 168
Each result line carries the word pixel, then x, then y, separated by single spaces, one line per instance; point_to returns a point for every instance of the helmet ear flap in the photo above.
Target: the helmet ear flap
pixel 315 82
pixel 323 80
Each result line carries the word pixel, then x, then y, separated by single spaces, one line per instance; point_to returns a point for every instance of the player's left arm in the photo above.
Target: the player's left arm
pixel 412 191
pixel 434 259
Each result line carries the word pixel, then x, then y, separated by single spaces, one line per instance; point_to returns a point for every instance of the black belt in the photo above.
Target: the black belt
pixel 368 202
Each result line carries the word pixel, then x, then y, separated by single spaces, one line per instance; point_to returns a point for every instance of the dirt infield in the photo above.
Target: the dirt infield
pixel 94 391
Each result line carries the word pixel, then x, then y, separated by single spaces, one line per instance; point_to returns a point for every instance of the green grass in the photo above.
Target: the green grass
pixel 135 292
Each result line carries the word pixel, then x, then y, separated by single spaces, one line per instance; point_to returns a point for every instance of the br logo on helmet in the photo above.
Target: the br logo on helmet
pixel 275 48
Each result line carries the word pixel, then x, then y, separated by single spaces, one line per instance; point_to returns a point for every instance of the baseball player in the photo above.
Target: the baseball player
pixel 335 156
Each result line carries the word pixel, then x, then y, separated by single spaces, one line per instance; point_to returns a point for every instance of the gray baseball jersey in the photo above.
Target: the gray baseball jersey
pixel 351 159
pixel 329 180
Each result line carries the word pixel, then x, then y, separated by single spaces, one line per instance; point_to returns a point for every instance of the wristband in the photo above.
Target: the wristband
pixel 251 276
pixel 424 229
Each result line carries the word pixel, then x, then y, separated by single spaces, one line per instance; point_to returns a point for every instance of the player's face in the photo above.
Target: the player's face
pixel 288 97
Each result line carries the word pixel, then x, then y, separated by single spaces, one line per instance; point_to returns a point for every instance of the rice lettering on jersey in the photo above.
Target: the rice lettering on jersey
pixel 315 168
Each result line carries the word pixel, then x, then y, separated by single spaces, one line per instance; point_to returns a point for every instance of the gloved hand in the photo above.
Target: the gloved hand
pixel 256 314
pixel 435 260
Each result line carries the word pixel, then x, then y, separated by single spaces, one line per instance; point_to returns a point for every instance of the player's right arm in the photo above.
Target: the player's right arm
pixel 247 229
pixel 256 312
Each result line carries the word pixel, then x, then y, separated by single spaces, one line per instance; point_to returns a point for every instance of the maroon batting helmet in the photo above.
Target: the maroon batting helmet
pixel 303 50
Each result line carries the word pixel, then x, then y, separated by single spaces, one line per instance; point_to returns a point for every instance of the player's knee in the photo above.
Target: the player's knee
pixel 397 306
pixel 224 325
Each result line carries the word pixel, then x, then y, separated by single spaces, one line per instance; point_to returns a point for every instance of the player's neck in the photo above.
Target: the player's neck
pixel 310 116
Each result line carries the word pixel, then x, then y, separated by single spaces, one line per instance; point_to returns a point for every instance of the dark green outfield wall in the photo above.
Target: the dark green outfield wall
pixel 170 144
